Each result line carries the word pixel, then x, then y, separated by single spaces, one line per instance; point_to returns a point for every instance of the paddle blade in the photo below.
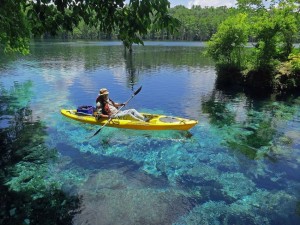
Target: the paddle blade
pixel 95 133
pixel 137 91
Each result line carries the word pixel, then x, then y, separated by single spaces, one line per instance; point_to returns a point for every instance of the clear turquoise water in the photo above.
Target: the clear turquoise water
pixel 239 165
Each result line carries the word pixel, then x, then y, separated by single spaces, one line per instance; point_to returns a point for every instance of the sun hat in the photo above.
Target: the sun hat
pixel 103 91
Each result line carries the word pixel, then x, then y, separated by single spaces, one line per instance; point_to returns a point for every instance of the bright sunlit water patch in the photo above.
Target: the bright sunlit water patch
pixel 238 165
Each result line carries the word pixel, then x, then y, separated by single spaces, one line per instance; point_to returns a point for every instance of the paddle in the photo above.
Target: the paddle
pixel 110 118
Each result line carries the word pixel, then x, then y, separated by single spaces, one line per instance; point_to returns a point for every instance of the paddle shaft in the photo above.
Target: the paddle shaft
pixel 110 118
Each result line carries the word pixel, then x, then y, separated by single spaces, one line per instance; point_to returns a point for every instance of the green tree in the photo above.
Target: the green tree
pixel 226 46
pixel 273 31
pixel 14 32
pixel 199 23
pixel 251 5
pixel 136 18
pixel 22 18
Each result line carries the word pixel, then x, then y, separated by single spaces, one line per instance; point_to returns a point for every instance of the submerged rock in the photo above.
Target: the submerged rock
pixel 294 136
pixel 113 197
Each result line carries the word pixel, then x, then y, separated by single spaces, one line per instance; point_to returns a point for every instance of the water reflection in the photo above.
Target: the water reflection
pixel 132 72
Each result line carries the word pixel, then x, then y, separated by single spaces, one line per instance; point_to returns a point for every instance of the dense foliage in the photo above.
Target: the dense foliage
pixel 22 18
pixel 14 32
pixel 195 24
pixel 272 31
pixel 199 23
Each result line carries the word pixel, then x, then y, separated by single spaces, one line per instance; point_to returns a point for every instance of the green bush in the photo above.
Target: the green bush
pixel 287 75
pixel 295 62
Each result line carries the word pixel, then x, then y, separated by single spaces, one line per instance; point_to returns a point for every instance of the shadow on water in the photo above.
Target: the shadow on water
pixel 26 197
pixel 90 161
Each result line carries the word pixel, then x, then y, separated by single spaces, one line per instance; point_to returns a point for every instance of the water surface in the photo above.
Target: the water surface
pixel 239 165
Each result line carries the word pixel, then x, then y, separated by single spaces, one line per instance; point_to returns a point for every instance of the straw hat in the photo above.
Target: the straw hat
pixel 103 91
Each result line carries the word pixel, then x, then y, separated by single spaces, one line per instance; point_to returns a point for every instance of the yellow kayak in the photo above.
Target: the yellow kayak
pixel 154 121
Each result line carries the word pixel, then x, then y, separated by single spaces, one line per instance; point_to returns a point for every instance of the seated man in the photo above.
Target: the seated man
pixel 107 108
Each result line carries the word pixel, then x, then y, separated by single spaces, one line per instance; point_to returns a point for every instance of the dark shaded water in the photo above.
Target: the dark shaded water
pixel 239 165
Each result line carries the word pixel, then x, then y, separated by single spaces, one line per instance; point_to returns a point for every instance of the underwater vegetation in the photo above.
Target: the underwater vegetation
pixel 255 134
pixel 257 208
pixel 27 197
pixel 240 168
pixel 224 173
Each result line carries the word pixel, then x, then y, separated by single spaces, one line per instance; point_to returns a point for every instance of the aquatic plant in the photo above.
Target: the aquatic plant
pixel 255 208
pixel 218 112
pixel 27 196
pixel 254 135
